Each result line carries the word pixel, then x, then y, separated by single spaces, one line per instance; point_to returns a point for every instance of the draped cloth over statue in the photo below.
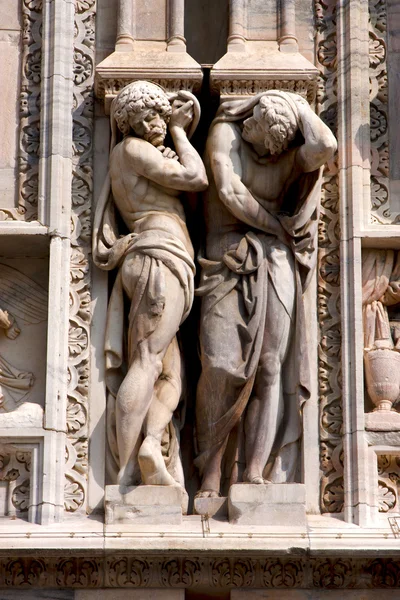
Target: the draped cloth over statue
pixel 153 252
pixel 234 294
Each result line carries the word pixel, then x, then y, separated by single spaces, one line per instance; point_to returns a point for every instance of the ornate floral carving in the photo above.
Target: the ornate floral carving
pixel 79 572
pixel 329 275
pixel 277 573
pixel 128 572
pixel 29 133
pixel 15 466
pixel 305 87
pixel 233 572
pixel 21 572
pixel 384 573
pixel 332 574
pixel 388 482
pixel 379 134
pixel 80 316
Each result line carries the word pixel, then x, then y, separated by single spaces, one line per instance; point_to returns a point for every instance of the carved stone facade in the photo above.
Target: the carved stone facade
pixel 71 523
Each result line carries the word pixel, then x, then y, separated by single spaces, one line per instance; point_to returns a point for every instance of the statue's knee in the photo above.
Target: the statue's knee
pixel 269 368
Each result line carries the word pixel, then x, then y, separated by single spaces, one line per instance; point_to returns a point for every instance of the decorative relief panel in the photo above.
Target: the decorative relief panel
pixel 15 467
pixel 388 483
pixel 219 573
pixel 80 316
pixel 329 275
pixel 29 136
pixel 380 201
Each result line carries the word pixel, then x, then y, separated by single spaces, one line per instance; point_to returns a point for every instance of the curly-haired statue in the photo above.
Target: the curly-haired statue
pixel 153 289
pixel 263 158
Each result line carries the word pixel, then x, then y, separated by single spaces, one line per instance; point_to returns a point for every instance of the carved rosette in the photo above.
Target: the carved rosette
pixel 29 131
pixel 80 316
pixel 329 356
pixel 379 133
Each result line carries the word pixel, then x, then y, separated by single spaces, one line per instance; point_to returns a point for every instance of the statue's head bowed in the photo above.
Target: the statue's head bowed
pixel 136 98
pixel 279 115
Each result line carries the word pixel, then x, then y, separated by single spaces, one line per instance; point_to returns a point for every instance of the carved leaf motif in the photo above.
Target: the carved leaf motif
pixel 385 573
pixel 377 50
pixel 76 416
pixel 191 572
pixel 83 67
pixel 332 574
pixel 279 574
pixel 83 5
pixel 378 122
pixel 20 497
pixel 386 497
pixel 327 53
pixel 77 572
pixel 243 573
pixel 74 495
pixel 171 574
pixel 221 573
pixel 77 341
pixel 379 194
pixel 333 497
pixel 139 573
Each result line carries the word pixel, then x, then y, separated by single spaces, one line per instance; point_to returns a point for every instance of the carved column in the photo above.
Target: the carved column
pixel 125 25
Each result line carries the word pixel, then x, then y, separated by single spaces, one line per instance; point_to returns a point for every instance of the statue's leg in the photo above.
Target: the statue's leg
pixel 136 391
pixel 167 393
pixel 219 384
pixel 265 409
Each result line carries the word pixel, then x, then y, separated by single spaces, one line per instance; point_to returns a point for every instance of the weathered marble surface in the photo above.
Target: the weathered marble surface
pixel 10 49
pixel 155 277
pixel 263 158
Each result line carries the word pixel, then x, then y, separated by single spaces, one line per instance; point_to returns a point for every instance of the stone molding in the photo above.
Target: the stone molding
pixel 329 350
pixel 192 571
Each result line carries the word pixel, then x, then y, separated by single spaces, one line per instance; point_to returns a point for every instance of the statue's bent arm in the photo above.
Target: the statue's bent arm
pixel 225 161
pixel 147 161
pixel 320 143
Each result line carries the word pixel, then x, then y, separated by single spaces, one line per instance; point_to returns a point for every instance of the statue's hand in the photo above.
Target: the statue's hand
pixel 168 153
pixel 182 115
pixel 13 330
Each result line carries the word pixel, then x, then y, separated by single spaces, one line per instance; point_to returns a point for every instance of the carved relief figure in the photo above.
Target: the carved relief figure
pixel 155 277
pixel 381 290
pixel 263 159
pixel 27 300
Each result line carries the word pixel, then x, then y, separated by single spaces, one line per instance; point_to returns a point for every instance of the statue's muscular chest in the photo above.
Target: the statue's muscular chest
pixel 265 177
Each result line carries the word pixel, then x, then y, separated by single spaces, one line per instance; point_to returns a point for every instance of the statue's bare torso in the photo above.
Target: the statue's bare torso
pixel 266 178
pixel 143 204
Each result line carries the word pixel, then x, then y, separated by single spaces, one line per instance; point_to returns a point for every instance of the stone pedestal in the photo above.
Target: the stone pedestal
pixel 382 420
pixel 268 505
pixel 147 504
pixel 211 507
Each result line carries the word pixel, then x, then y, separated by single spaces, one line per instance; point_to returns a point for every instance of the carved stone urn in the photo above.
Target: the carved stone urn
pixel 382 371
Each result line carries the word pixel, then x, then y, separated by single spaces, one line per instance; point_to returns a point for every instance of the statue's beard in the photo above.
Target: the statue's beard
pixel 156 135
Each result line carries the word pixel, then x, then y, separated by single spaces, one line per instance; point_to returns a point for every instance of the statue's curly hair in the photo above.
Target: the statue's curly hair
pixel 136 97
pixel 281 121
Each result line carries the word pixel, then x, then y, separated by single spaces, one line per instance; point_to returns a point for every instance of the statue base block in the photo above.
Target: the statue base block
pixel 382 420
pixel 211 507
pixel 147 504
pixel 270 505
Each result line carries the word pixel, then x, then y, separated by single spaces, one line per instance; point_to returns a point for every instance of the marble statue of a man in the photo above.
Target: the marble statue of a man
pixel 263 159
pixel 154 282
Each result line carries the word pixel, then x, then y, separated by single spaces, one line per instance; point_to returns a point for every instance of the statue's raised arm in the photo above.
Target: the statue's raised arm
pixel 262 207
pixel 154 282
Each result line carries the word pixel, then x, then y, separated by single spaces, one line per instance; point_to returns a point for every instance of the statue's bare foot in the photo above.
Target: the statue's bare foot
pixel 152 465
pixel 208 494
pixel 256 479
